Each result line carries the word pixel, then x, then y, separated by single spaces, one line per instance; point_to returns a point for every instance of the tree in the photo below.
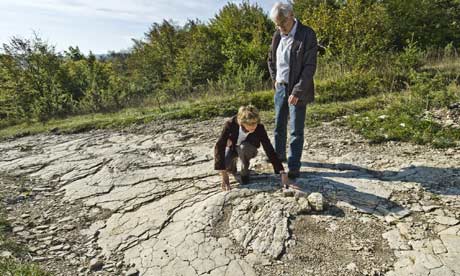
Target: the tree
pixel 432 23
pixel 199 61
pixel 153 60
pixel 32 67
pixel 245 32
pixel 74 54
pixel 356 32
pixel 8 108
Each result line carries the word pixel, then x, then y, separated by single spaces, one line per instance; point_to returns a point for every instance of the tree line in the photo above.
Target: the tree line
pixel 225 55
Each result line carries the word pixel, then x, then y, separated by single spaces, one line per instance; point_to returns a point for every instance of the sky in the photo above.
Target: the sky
pixel 99 26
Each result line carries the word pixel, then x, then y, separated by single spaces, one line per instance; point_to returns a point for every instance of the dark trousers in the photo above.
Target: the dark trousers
pixel 245 152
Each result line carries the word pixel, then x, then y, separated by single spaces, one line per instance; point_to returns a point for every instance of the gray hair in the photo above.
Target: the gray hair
pixel 282 10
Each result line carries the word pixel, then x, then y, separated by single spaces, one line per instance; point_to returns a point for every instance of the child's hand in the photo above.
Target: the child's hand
pixel 229 143
pixel 225 181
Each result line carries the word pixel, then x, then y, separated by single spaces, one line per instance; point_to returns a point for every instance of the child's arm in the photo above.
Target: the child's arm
pixel 270 151
pixel 219 148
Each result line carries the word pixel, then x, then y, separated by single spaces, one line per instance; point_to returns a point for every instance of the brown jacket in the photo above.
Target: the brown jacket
pixel 259 136
pixel 302 66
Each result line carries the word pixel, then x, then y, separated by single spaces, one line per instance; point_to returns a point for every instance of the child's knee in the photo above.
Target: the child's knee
pixel 248 150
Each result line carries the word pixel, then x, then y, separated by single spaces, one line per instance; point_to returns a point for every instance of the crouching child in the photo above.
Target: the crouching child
pixel 241 136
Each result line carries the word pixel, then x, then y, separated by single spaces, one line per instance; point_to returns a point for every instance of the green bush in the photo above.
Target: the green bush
pixel 432 23
pixel 197 63
pixel 31 68
pixel 433 91
pixel 39 84
pixel 356 33
pixel 411 58
pixel 246 79
pixel 220 106
pixel 351 86
pixel 245 32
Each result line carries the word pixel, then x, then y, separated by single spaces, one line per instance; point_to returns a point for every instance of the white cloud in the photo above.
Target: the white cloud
pixel 99 25
pixel 137 10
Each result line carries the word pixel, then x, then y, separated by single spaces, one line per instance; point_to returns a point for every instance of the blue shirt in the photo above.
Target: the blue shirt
pixel 283 55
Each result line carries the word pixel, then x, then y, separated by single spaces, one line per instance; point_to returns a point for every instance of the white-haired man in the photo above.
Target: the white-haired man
pixel 292 65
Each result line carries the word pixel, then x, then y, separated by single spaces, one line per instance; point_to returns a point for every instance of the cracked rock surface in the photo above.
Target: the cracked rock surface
pixel 147 201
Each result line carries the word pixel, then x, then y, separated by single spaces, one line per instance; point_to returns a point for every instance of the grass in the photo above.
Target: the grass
pixel 362 114
pixel 402 119
pixel 379 127
pixel 444 63
pixel 362 98
pixel 200 109
pixel 14 267
pixel 330 111
pixel 331 94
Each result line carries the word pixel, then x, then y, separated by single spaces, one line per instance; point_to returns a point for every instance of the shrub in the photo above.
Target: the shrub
pixel 351 86
pixel 356 33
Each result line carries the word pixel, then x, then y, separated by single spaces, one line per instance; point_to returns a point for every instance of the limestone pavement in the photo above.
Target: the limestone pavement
pixel 166 215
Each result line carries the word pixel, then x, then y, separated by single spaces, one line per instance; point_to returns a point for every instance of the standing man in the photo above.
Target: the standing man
pixel 292 65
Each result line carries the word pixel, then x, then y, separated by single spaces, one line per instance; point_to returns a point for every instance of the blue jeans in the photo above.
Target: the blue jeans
pixel 296 124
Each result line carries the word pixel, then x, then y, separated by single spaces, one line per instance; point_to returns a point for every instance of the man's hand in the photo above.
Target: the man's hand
pixel 229 143
pixel 293 100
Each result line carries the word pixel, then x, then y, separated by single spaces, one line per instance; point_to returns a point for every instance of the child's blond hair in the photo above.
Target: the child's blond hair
pixel 248 115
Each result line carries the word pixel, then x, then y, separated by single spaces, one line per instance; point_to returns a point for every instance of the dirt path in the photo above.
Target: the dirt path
pixel 147 201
